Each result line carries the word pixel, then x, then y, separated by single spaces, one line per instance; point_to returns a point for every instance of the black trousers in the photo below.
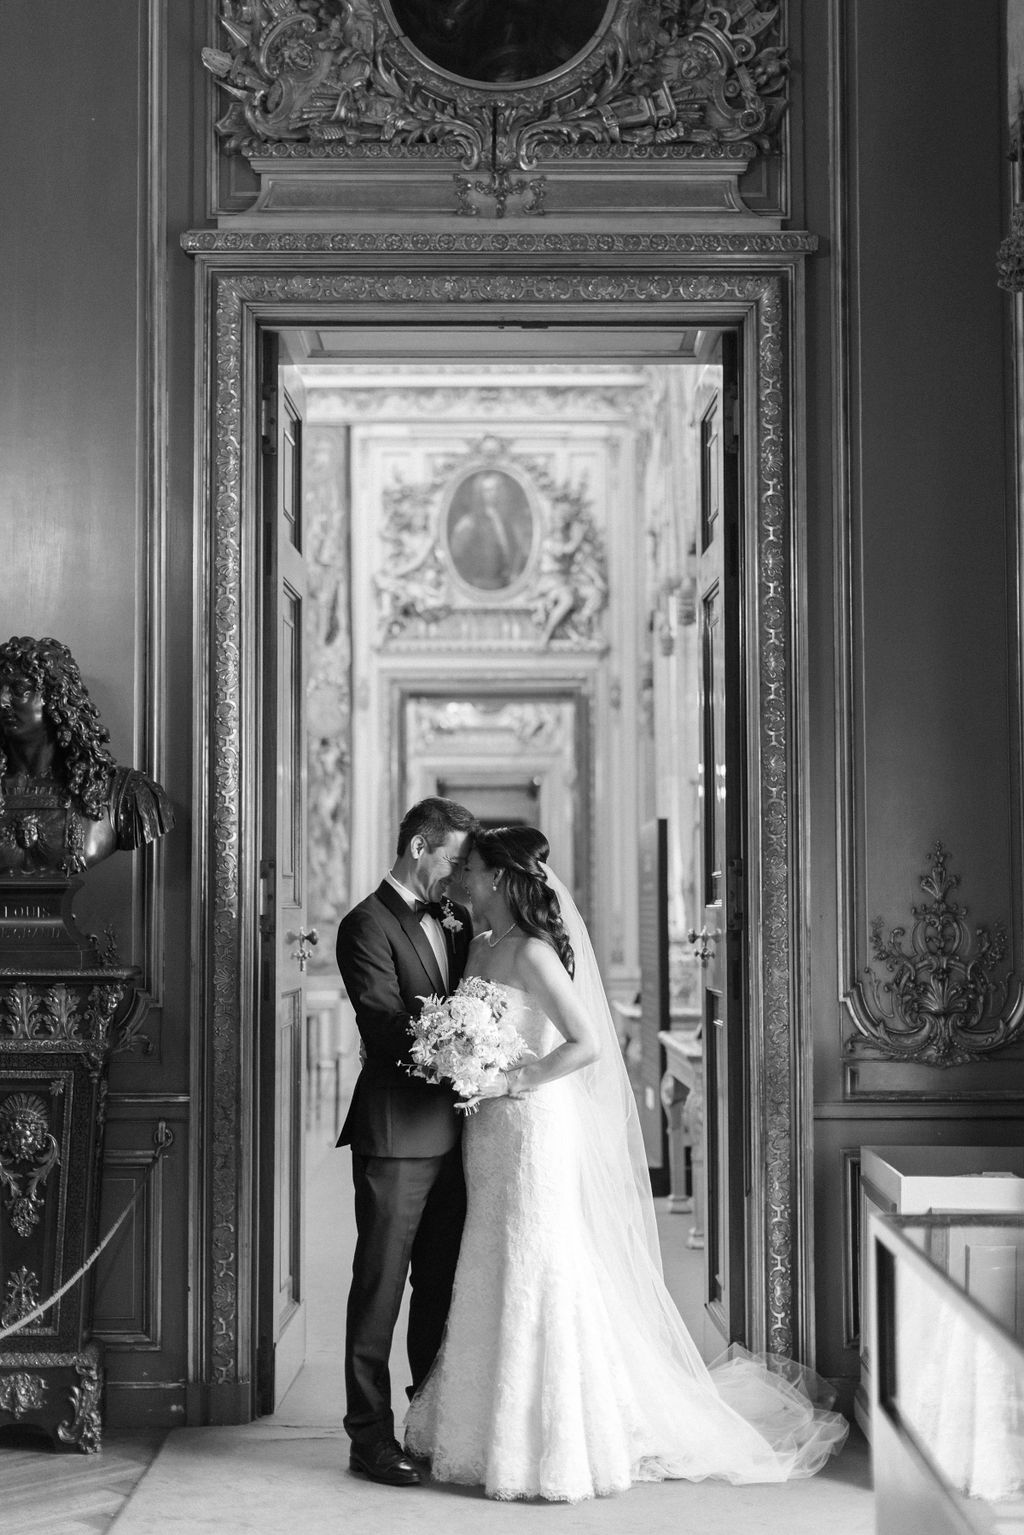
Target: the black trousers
pixel 409 1217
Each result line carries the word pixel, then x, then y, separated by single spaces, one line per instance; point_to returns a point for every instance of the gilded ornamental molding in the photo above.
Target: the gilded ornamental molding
pixel 306 79
pixel 484 242
pixel 943 1000
pixel 756 300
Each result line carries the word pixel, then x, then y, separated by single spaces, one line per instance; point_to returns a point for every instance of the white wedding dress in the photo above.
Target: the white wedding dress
pixel 566 1371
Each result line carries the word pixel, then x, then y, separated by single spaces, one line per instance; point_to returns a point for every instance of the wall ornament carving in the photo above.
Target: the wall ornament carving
pixel 28 1155
pixel 457 568
pixel 331 80
pixel 758 301
pixel 21 1295
pixel 21 1393
pixel 944 1001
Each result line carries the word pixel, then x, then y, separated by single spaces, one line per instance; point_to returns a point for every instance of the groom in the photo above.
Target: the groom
pixel 398 945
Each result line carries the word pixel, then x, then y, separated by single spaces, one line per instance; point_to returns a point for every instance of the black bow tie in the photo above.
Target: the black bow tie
pixel 428 909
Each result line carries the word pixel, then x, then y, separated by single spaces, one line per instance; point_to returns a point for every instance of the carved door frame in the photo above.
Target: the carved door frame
pixel 249 280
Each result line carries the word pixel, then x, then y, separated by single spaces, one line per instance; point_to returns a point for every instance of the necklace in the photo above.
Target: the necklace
pixel 496 942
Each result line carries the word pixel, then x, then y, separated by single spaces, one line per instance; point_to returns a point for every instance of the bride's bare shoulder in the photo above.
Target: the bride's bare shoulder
pixel 537 958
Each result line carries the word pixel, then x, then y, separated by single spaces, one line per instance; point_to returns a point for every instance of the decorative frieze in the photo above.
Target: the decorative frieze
pixel 339 79
pixel 55 1015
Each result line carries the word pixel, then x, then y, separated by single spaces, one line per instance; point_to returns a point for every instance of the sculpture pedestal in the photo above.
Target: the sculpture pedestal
pixel 62 1012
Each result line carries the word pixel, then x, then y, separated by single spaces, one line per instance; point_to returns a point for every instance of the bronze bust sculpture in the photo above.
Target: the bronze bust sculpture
pixel 65 804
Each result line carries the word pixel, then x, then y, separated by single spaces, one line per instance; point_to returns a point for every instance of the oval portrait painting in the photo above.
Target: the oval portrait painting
pixel 494 42
pixel 489 530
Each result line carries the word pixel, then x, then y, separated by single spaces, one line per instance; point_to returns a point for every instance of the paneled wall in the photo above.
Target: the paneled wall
pixel 911 603
pixel 96 493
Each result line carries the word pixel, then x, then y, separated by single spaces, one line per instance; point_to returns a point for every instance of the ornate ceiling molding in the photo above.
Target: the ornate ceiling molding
pixel 338 79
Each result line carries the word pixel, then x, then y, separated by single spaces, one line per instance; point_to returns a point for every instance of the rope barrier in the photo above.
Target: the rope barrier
pixel 31 1316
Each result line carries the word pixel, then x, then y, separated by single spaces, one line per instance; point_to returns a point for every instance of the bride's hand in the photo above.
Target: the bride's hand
pixel 501 1085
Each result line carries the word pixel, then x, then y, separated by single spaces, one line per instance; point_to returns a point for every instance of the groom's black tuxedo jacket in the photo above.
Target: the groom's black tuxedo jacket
pixel 387 965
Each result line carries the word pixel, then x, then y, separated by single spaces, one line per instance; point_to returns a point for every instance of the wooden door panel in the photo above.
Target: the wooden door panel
pixel 720 943
pixel 286 941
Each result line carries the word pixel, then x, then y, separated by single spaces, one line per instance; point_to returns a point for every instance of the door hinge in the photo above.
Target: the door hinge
pixel 734 892
pixel 731 418
pixel 268 422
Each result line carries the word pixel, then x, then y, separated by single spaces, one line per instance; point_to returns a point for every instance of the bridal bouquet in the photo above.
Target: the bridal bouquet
pixel 464 1039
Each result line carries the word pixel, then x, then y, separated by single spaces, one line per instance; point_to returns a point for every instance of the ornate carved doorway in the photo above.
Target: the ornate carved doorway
pixel 574 287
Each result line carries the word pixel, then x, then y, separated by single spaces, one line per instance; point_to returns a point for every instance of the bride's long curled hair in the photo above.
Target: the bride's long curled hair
pixel 517 853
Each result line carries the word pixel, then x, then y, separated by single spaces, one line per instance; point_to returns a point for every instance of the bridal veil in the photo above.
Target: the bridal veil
pixel 782 1428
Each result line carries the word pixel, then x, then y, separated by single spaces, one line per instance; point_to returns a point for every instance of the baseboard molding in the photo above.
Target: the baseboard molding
pixel 141 1404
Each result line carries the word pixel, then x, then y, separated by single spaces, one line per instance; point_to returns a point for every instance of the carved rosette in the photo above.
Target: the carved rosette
pixel 21 1295
pixel 337 78
pixel 944 1002
pixel 432 277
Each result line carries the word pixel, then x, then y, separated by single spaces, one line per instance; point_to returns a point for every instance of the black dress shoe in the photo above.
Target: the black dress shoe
pixel 384 1461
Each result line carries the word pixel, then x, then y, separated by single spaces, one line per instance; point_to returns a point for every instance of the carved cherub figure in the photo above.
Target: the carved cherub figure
pixel 65 804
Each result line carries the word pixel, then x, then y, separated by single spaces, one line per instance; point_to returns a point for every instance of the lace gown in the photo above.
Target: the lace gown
pixel 548 1384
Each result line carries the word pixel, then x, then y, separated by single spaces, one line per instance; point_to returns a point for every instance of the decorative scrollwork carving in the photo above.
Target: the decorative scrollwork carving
pixel 337 78
pixel 28 1154
pixel 942 1004
pixel 86 1427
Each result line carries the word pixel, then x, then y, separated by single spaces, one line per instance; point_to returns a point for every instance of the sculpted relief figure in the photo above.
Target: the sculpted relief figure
pixel 65 804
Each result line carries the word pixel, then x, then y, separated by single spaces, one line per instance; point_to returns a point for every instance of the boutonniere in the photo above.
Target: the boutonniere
pixel 448 917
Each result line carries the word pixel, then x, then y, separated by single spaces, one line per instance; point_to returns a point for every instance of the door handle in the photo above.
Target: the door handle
pixel 308 940
pixel 703 938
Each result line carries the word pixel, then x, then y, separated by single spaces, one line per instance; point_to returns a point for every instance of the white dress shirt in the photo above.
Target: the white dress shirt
pixel 430 925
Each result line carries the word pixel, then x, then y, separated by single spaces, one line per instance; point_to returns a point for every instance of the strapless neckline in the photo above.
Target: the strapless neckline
pixel 505 985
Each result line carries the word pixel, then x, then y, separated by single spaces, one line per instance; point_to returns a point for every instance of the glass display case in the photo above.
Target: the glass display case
pixel 923 1180
pixel 948 1383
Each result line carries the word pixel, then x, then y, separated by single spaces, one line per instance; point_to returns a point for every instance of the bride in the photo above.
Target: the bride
pixel 566 1371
